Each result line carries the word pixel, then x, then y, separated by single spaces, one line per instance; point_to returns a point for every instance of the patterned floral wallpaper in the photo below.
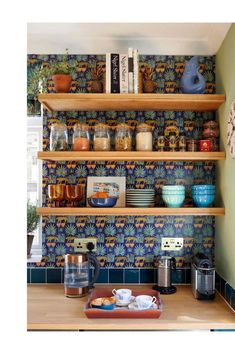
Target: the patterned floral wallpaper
pixel 129 241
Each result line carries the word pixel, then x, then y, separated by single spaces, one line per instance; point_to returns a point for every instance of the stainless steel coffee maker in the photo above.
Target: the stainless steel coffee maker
pixel 164 265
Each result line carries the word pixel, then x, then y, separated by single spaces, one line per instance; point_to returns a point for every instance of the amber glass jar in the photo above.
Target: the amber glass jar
pixel 81 137
pixel 123 140
pixel 102 141
pixel 172 141
pixel 144 137
pixel 58 137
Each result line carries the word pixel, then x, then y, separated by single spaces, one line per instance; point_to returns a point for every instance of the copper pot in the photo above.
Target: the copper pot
pixel 62 83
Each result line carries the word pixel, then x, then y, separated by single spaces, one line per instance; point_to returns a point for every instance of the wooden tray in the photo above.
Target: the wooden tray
pixel 122 312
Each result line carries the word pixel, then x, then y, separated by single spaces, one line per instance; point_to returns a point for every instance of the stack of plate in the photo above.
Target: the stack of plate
pixel 140 198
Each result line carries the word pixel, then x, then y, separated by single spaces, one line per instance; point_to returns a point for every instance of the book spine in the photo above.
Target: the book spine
pixel 123 73
pixel 136 70
pixel 130 71
pixel 115 76
pixel 107 78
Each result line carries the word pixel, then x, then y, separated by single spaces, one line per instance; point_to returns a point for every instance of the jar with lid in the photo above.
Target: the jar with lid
pixel 192 145
pixel 182 142
pixel 81 137
pixel 144 137
pixel 58 137
pixel 102 141
pixel 160 143
pixel 123 140
pixel 172 141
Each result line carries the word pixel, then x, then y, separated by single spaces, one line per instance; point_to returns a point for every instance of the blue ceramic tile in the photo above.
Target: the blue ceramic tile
pixel 222 287
pixel 103 276
pixel 38 275
pixel 28 275
pixel 147 276
pixel 116 276
pixel 217 281
pixel 131 276
pixel 54 275
pixel 232 299
pixel 188 276
pixel 228 292
pixel 178 276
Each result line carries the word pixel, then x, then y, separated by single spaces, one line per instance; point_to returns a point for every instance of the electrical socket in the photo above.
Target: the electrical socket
pixel 172 243
pixel 80 244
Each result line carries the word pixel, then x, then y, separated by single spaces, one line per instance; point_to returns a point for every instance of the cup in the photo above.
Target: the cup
pixel 144 302
pixel 123 295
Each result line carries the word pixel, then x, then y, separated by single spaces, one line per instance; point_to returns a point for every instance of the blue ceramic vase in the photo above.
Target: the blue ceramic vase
pixel 192 81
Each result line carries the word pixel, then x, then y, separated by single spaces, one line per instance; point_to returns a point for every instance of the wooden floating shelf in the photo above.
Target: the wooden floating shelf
pixel 129 156
pixel 130 102
pixel 131 211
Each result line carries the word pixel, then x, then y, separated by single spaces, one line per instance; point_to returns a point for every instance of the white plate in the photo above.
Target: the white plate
pixel 124 303
pixel 134 307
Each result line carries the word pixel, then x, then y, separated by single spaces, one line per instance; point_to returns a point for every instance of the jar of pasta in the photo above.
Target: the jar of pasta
pixel 81 137
pixel 144 137
pixel 58 137
pixel 123 140
pixel 102 141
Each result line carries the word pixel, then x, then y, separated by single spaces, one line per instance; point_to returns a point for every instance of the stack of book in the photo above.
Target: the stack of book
pixel 122 72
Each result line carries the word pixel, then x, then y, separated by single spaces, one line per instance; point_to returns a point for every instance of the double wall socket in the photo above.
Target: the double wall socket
pixel 172 244
pixel 80 244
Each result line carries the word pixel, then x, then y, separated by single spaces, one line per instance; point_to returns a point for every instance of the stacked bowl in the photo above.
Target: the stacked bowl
pixel 140 198
pixel 173 196
pixel 203 195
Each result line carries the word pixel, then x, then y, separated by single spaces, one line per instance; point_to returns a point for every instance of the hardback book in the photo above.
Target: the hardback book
pixel 115 73
pixel 123 73
pixel 130 71
pixel 108 78
pixel 136 70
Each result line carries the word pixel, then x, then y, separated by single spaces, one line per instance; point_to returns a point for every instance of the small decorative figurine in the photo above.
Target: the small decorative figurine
pixel 192 81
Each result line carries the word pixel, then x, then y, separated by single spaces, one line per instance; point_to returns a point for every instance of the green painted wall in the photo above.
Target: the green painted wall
pixel 225 226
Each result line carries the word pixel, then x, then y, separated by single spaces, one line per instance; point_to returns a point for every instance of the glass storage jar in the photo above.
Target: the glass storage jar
pixel 123 140
pixel 58 137
pixel 144 137
pixel 102 141
pixel 81 137
pixel 160 143
pixel 172 141
pixel 182 142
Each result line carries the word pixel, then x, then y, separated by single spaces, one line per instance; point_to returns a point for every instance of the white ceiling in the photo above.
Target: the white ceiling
pixel 149 38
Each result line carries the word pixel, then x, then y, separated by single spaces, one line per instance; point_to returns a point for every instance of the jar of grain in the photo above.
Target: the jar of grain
pixel 58 137
pixel 102 138
pixel 123 140
pixel 81 137
pixel 144 137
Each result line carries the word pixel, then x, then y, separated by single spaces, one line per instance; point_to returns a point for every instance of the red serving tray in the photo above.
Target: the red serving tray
pixel 122 312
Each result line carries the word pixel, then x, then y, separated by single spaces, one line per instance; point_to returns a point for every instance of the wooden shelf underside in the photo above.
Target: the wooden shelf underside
pixel 131 211
pixel 130 102
pixel 129 156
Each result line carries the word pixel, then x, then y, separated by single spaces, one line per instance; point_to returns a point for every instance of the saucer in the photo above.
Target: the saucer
pixel 134 307
pixel 125 303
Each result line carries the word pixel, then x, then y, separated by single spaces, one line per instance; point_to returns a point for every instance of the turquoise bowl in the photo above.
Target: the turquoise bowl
pixel 203 187
pixel 203 201
pixel 173 200
pixel 175 188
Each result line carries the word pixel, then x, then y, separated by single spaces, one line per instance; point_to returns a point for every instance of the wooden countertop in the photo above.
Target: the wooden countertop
pixel 49 309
